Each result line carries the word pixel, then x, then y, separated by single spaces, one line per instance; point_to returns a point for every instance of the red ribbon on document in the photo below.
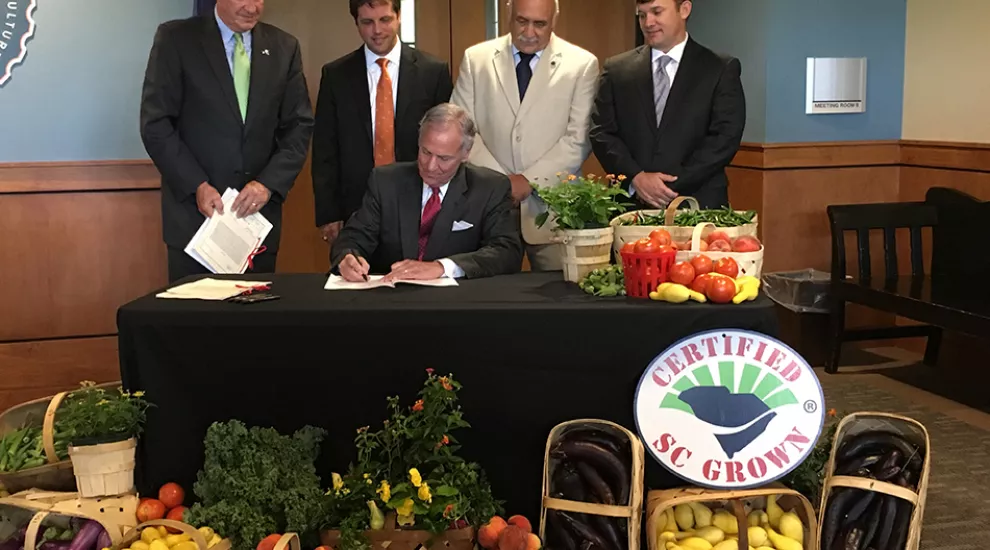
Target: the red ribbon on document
pixel 257 251
pixel 252 288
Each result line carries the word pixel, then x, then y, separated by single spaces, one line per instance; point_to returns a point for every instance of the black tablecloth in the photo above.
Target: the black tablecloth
pixel 530 349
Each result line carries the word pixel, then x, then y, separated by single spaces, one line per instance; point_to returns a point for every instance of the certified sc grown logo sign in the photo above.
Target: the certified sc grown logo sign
pixel 729 409
pixel 16 28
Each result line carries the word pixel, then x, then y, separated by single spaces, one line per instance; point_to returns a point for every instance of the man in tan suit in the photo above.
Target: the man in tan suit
pixel 531 94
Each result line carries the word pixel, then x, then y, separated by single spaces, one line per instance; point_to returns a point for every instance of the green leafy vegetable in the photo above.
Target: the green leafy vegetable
pixel 582 202
pixel 256 482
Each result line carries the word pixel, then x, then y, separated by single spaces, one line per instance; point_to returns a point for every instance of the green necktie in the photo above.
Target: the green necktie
pixel 242 74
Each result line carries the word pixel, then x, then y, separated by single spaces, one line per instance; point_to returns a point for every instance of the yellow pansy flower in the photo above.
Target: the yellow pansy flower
pixel 385 491
pixel 415 478
pixel 338 482
pixel 406 520
pixel 424 493
pixel 406 508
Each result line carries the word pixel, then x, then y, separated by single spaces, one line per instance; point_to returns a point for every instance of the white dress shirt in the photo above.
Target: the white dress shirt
pixel 532 62
pixel 450 269
pixel 675 54
pixel 375 74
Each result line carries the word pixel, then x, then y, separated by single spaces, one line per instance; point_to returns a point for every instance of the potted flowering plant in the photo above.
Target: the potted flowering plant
pixel 582 207
pixel 102 426
pixel 408 486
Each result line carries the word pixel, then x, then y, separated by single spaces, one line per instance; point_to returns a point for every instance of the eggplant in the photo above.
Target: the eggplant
pixel 854 464
pixel 887 522
pixel 567 481
pixel 619 446
pixel 609 532
pixel 835 508
pixel 61 545
pixel 863 472
pixel 888 474
pixel 603 460
pixel 872 520
pixel 559 538
pixel 906 479
pixel 853 539
pixel 103 541
pixel 85 539
pixel 899 534
pixel 595 482
pixel 858 508
pixel 870 442
pixel 582 530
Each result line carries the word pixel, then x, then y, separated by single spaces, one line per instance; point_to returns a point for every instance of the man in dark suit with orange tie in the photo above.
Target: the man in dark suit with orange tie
pixel 669 115
pixel 436 217
pixel 368 111
pixel 224 105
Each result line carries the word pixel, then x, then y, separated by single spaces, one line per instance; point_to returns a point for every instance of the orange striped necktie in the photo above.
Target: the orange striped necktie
pixel 384 118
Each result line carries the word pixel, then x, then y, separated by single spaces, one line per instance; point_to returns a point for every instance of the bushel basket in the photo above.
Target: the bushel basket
pixel 678 233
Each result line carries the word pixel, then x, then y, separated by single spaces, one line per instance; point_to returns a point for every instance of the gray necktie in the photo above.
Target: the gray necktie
pixel 661 86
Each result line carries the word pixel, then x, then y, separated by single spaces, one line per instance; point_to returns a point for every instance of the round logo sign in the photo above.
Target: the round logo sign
pixel 729 409
pixel 16 29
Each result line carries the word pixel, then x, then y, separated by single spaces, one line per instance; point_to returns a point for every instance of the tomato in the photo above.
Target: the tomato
pixel 269 542
pixel 628 248
pixel 176 514
pixel 171 495
pixel 150 509
pixel 666 248
pixel 661 236
pixel 646 246
pixel 727 266
pixel 700 283
pixel 682 273
pixel 721 290
pixel 702 264
pixel 718 236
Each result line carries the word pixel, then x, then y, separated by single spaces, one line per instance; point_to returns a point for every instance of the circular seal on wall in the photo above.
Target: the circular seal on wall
pixel 16 28
pixel 729 409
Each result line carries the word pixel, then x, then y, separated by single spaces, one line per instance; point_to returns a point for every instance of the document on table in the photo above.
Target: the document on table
pixel 225 243
pixel 336 282
pixel 212 289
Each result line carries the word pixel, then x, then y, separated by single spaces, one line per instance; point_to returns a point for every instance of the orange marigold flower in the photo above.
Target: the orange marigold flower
pixel 418 406
pixel 445 382
pixel 444 441
pixel 621 178
pixel 448 510
pixel 571 177
pixel 831 412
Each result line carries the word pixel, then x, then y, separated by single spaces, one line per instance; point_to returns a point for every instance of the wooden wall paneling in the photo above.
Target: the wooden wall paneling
pixel 434 29
pixel 954 156
pixel 75 259
pixel 469 26
pixel 38 369
pixel 78 176
pixel 820 155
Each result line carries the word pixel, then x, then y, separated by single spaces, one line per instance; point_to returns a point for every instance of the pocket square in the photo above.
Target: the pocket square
pixel 461 226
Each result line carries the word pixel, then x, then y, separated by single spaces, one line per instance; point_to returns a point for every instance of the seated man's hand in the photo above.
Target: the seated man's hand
pixel 412 270
pixel 354 269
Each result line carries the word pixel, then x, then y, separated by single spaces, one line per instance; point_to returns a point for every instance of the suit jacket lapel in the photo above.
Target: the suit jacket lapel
pixel 410 210
pixel 684 81
pixel 545 69
pixel 505 70
pixel 262 60
pixel 644 76
pixel 359 85
pixel 408 77
pixel 453 201
pixel 216 55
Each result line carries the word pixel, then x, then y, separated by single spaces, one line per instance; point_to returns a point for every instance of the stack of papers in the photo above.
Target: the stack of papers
pixel 225 243
pixel 211 289
pixel 336 282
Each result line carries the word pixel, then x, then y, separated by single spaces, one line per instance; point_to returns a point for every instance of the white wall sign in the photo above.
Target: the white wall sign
pixel 729 409
pixel 836 85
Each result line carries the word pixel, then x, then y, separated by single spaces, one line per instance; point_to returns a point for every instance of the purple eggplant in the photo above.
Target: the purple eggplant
pixel 103 541
pixel 58 545
pixel 85 539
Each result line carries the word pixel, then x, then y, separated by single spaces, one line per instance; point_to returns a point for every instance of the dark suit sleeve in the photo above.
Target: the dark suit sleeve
pixel 360 234
pixel 326 155
pixel 724 135
pixel 445 85
pixel 294 130
pixel 608 146
pixel 501 245
pixel 161 102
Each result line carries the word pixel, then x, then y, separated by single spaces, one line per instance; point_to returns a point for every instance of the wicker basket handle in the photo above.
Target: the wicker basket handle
pixel 48 429
pixel 288 541
pixel 696 235
pixel 31 535
pixel 668 218
pixel 740 511
pixel 183 528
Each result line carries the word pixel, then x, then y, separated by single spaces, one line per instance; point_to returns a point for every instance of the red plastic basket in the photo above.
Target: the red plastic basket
pixel 643 273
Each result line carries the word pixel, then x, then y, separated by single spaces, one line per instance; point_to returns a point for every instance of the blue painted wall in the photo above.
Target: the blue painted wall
pixel 78 93
pixel 774 38
pixel 739 28
pixel 874 29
